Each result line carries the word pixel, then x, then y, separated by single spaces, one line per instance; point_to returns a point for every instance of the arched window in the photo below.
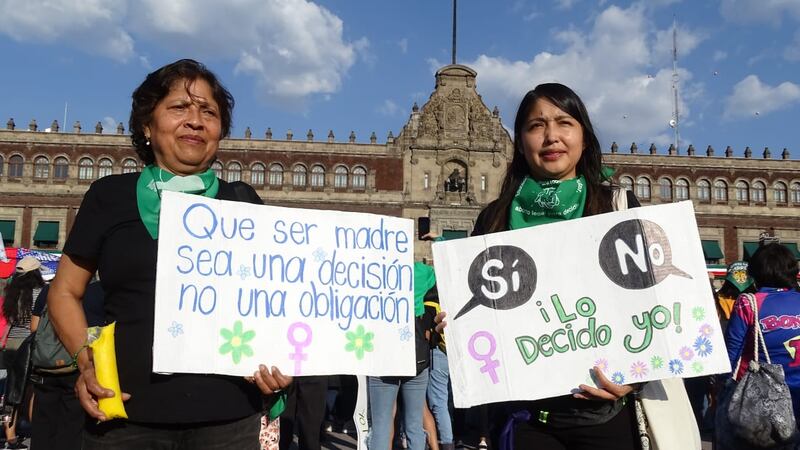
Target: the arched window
pixel 704 191
pixel 61 168
pixel 681 190
pixel 41 168
pixel 794 193
pixel 2 161
pixel 626 183
pixel 317 176
pixel 234 172
pixel 257 172
pixel 85 169
pixel 275 174
pixel 299 175
pixel 665 189
pixel 359 178
pixel 129 165
pixel 340 177
pixel 779 192
pixel 742 191
pixel 759 193
pixel 15 166
pixel 643 188
pixel 104 168
pixel 720 191
pixel 217 168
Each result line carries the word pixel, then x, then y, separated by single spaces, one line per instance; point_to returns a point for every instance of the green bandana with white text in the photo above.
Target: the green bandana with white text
pixel 541 202
pixel 153 180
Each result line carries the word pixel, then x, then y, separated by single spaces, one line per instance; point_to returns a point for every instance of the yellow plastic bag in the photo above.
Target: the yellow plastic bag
pixel 105 367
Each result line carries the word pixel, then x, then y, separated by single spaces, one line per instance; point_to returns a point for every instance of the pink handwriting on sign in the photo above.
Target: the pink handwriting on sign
pixel 489 365
pixel 298 356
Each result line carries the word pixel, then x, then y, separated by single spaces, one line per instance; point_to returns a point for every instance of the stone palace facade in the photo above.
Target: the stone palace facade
pixel 446 163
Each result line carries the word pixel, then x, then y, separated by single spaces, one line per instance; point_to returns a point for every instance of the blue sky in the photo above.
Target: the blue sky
pixel 361 64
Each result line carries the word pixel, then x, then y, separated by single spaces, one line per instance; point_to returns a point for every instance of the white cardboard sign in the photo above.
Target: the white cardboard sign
pixel 312 292
pixel 531 311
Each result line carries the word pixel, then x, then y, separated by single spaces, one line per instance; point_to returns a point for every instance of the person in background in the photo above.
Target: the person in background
pixel 439 393
pixel 383 390
pixel 737 282
pixel 774 270
pixel 557 154
pixel 57 414
pixel 179 114
pixel 21 291
pixel 304 413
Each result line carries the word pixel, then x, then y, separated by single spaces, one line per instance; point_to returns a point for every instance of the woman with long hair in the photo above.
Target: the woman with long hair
pixel 20 294
pixel 557 156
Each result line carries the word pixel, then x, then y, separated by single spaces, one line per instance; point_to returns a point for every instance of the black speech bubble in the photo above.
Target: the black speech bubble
pixel 642 248
pixel 501 277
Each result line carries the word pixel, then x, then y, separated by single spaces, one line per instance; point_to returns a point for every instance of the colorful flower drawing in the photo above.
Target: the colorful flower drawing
pixel 618 378
pixel 676 366
pixel 359 342
pixel 175 329
pixel 699 313
pixel 243 272
pixel 236 342
pixel 656 362
pixel 697 367
pixel 638 369
pixel 703 346
pixel 602 364
pixel 319 254
pixel 686 353
pixel 405 333
pixel 706 330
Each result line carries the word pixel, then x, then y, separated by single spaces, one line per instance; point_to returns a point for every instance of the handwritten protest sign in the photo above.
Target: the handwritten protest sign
pixel 312 292
pixel 531 311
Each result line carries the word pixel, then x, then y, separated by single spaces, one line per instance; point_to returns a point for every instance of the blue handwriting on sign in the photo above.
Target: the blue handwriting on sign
pixel 367 238
pixel 297 232
pixel 201 222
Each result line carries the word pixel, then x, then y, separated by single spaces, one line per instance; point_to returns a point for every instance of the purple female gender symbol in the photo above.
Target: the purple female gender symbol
pixel 489 365
pixel 298 356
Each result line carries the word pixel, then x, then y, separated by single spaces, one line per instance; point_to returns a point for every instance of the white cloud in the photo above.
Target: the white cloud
pixel 293 48
pixel 110 125
pixel 759 11
pixel 719 55
pixel 687 41
pixel 388 108
pixel 565 4
pixel 792 51
pixel 403 44
pixel 751 97
pixel 92 25
pixel 613 66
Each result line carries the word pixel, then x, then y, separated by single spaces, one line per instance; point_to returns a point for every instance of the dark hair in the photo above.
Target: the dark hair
pixel 775 266
pixel 598 200
pixel 157 86
pixel 19 296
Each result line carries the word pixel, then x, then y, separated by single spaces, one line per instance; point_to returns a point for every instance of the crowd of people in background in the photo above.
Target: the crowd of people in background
pixel 179 115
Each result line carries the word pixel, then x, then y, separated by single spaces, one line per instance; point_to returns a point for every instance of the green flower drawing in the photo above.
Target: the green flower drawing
pixel 657 362
pixel 236 342
pixel 359 342
pixel 697 367
pixel 699 313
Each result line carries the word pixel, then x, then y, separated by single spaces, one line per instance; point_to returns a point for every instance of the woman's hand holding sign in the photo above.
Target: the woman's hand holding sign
pixel 605 390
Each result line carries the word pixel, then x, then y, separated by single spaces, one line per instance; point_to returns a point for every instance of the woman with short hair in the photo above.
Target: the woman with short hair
pixel 179 115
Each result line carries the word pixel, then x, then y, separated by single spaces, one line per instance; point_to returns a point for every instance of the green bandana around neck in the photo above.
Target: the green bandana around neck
pixel 541 202
pixel 153 180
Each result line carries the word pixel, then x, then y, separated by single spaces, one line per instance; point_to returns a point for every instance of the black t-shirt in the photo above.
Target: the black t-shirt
pixel 109 232
pixel 565 410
